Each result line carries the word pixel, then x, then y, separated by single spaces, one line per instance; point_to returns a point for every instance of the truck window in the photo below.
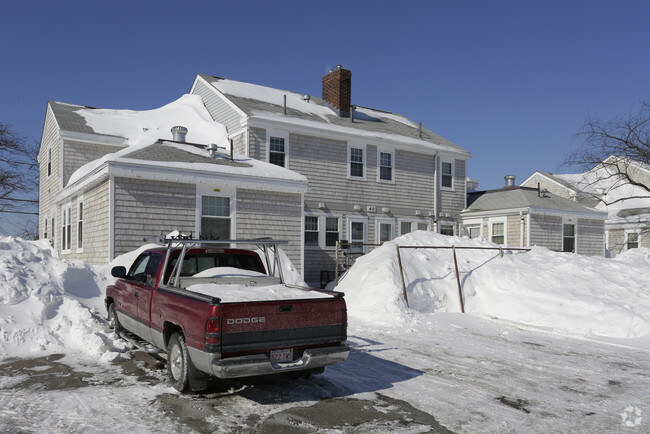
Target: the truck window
pixel 198 262
pixel 144 268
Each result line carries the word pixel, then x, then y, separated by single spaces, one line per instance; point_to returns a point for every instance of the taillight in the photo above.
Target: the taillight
pixel 213 331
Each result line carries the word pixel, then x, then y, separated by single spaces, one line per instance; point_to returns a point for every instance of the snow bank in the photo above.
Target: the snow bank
pixel 560 292
pixel 48 304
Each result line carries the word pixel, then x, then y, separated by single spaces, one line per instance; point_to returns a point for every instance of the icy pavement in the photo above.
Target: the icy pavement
pixel 464 373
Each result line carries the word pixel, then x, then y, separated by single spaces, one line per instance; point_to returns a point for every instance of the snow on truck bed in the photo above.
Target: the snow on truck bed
pixel 233 293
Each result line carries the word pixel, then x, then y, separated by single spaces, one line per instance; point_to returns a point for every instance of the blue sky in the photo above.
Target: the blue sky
pixel 509 81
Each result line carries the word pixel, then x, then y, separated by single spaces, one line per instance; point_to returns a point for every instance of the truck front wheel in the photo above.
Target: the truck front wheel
pixel 113 322
pixel 178 362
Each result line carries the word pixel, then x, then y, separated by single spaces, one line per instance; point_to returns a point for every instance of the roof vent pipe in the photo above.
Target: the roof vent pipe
pixel 510 180
pixel 285 104
pixel 179 133
pixel 212 149
pixel 420 129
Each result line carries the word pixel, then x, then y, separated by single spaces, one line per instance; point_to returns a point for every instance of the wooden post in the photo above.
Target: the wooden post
pixel 460 292
pixel 401 270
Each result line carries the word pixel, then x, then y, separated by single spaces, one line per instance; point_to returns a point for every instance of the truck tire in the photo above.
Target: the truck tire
pixel 178 362
pixel 113 321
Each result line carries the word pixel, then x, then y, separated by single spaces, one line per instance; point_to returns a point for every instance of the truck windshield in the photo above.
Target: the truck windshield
pixel 194 263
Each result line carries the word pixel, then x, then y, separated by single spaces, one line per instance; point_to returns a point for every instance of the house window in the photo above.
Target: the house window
pixel 446 174
pixel 423 226
pixel 276 151
pixel 80 225
pixel 386 166
pixel 474 231
pixel 66 228
pixel 568 237
pixel 384 232
pixel 311 231
pixel 215 218
pixel 357 167
pixel 322 231
pixel 498 233
pixel 331 231
pixel 49 161
pixel 447 230
pixel 632 240
pixel 404 228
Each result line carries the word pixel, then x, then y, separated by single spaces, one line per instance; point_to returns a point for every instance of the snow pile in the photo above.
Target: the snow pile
pixel 561 292
pixel 47 304
pixel 50 305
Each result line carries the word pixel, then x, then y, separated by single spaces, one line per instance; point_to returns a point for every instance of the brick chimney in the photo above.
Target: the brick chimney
pixel 337 90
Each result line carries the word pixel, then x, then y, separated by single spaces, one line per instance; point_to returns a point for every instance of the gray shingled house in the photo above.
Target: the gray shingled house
pixel 349 173
pixel 373 174
pixel 628 206
pixel 101 194
pixel 517 216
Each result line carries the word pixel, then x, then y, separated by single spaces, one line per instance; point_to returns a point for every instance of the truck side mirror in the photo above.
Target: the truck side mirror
pixel 119 272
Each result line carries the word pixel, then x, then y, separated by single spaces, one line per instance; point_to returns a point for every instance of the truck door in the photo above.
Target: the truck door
pixel 141 280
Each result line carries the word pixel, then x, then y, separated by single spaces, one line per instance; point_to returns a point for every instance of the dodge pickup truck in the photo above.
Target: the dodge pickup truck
pixel 221 311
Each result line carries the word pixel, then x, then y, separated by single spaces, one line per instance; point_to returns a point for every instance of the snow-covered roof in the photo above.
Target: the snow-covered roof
pixel 147 139
pixel 512 198
pixel 267 104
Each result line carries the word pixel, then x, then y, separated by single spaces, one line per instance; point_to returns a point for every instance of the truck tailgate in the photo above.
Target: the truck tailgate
pixel 250 328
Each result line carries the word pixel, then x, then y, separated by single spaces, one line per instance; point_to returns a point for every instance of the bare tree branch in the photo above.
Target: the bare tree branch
pixel 627 139
pixel 18 169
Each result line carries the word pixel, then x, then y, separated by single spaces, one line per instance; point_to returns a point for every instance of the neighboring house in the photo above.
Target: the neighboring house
pixel 109 178
pixel 628 206
pixel 373 175
pixel 522 217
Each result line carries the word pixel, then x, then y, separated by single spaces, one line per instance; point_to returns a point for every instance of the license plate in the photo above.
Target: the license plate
pixel 282 355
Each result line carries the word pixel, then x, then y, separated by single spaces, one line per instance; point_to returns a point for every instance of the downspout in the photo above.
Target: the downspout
pixel 435 192
pixel 528 229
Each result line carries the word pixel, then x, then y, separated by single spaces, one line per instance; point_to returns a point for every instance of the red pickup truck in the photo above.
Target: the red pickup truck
pixel 219 311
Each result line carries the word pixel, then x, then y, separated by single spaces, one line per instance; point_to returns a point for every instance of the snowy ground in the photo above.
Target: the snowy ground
pixel 550 343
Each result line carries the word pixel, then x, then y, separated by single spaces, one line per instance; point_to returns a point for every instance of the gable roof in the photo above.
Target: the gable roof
pixel 69 119
pixel 518 198
pixel 266 103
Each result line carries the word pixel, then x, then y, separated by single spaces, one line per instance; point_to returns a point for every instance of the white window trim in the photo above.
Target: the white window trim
pixel 322 230
pixel 380 221
pixel 632 231
pixel 80 202
pixel 414 225
pixel 53 226
pixel 65 217
pixel 283 134
pixel 447 223
pixel 361 146
pixel 390 151
pixel 453 169
pixel 49 161
pixel 211 190
pixel 571 221
pixel 503 220
pixel 365 230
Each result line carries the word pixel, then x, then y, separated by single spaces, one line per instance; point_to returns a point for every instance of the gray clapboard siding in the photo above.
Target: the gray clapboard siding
pixel 96 225
pixel 239 144
pixel 217 107
pixel 257 143
pixel 546 230
pixel 453 201
pixel 48 185
pixel 76 154
pixel 552 187
pixel 146 208
pixel 271 214
pixel 590 237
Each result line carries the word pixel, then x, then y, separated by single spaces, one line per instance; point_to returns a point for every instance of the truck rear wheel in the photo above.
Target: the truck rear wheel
pixel 178 362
